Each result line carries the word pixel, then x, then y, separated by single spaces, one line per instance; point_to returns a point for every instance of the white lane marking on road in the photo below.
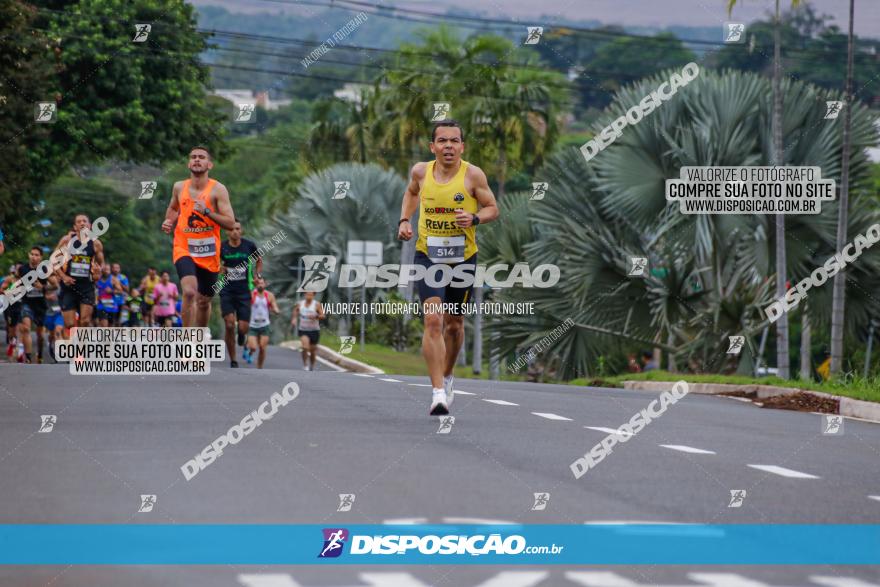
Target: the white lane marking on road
pixel 782 471
pixel 267 580
pixel 515 579
pixel 840 581
pixel 608 579
pixel 599 579
pixel 361 375
pixel 725 580
pixel 688 449
pixel 608 430
pixel 455 520
pixel 463 392
pixel 419 384
pixel 390 380
pixel 550 416
pixel 405 521
pixel 500 402
pixel 391 580
pixel 874 497
pixel 633 522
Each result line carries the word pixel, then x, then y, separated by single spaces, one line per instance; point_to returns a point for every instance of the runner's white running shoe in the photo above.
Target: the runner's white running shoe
pixel 447 386
pixel 439 407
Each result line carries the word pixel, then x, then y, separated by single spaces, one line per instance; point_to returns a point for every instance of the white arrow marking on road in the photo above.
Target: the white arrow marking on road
pixel 500 402
pixel 599 579
pixel 551 416
pixel 606 579
pixel 515 579
pixel 688 449
pixel 608 430
pixel 405 521
pixel 454 520
pixel 840 581
pixel 874 497
pixel 725 580
pixel 391 580
pixel 268 580
pixel 391 380
pixel 783 472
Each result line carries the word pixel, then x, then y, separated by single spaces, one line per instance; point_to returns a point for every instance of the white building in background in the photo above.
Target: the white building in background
pixel 245 96
pixel 351 92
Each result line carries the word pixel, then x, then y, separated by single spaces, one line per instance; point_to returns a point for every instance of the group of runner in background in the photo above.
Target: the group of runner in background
pixel 84 289
pixel 88 290
pixel 154 302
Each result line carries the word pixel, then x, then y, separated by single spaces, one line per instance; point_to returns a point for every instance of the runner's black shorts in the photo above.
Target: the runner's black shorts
pixel 70 297
pixel 449 294
pixel 235 302
pixel 111 317
pixel 206 279
pixel 13 314
pixel 35 311
pixel 314 335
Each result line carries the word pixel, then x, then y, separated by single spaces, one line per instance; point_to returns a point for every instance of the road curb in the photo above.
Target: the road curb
pixel 332 356
pixel 854 408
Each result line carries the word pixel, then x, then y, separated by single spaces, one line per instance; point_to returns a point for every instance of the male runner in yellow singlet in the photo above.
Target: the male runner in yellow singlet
pixel 453 197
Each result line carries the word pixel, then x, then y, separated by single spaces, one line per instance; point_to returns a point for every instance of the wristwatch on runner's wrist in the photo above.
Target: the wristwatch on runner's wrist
pixel 476 219
pixel 402 220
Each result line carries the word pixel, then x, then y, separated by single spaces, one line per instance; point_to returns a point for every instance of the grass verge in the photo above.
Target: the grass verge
pixel 854 387
pixel 412 363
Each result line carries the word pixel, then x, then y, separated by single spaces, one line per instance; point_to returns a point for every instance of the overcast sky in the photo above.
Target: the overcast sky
pixel 660 13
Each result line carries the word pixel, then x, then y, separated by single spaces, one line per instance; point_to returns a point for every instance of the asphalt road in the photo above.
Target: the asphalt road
pixel 117 437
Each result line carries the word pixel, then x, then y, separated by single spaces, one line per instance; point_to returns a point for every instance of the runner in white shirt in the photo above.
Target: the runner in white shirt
pixel 309 312
pixel 262 302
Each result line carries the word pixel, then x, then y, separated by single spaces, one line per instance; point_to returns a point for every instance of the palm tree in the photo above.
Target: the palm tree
pixel 317 224
pixel 838 303
pixel 778 158
pixel 595 216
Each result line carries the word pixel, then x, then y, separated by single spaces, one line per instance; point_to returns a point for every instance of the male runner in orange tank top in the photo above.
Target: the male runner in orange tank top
pixel 199 208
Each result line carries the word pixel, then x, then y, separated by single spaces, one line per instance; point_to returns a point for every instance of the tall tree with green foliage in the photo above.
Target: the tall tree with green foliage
pixel 116 99
pixel 778 158
pixel 839 302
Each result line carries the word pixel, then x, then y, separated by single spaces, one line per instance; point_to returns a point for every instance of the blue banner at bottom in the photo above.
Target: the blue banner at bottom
pixel 297 544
